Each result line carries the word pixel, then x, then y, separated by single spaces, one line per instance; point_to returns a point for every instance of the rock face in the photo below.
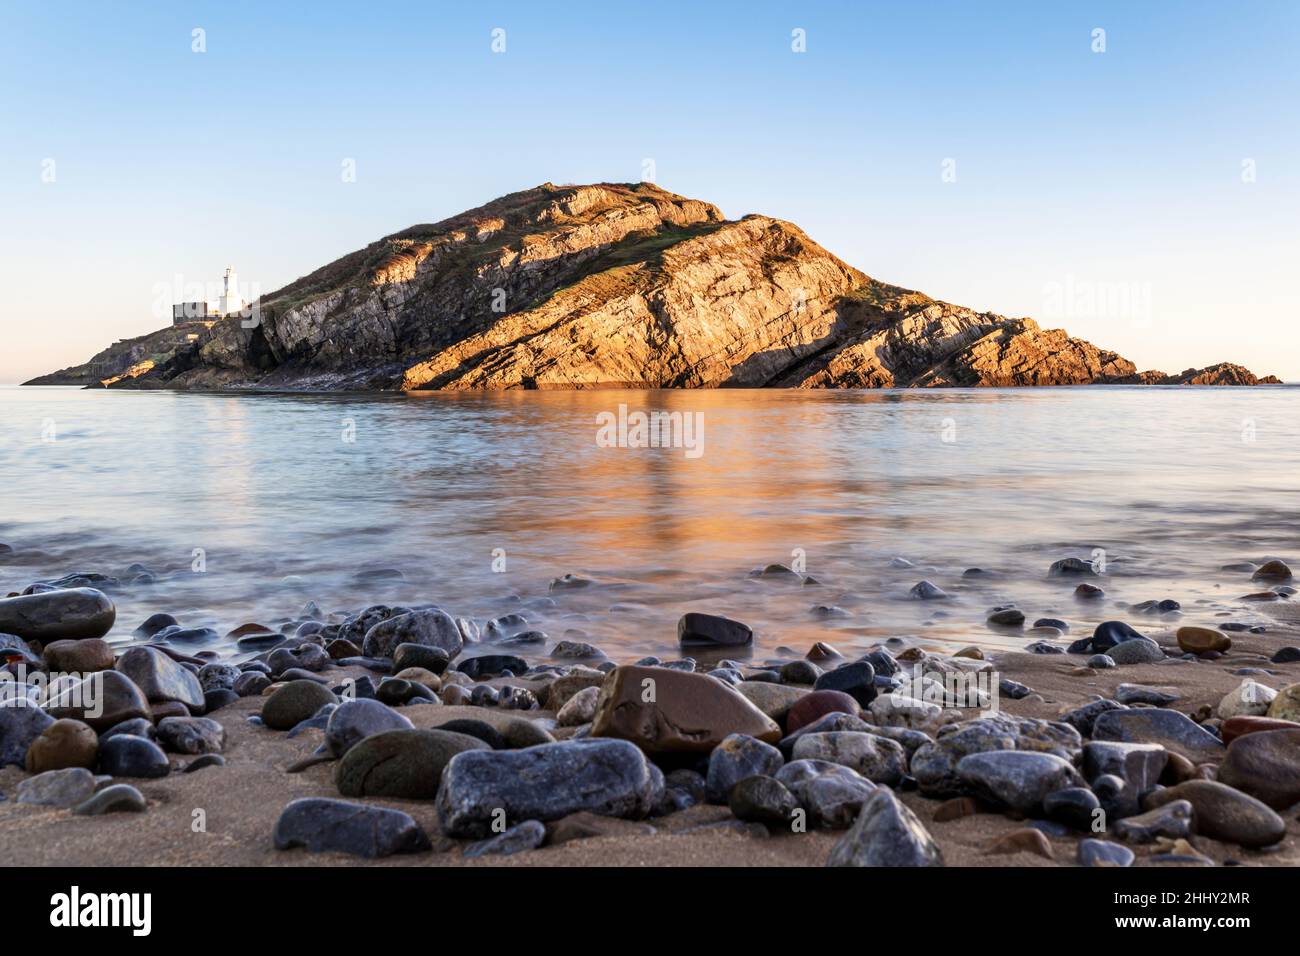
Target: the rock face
pixel 604 285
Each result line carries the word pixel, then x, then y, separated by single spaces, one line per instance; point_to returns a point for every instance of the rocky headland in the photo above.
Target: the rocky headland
pixel 413 735
pixel 609 285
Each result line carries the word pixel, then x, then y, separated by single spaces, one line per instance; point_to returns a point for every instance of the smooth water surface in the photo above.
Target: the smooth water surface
pixel 290 498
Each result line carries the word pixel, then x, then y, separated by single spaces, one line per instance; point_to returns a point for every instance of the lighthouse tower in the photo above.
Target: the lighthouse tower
pixel 230 300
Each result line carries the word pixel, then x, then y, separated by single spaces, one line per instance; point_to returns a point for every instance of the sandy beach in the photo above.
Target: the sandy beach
pixel 242 800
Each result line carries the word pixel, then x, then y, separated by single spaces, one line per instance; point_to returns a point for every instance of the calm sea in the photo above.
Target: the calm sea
pixel 245 507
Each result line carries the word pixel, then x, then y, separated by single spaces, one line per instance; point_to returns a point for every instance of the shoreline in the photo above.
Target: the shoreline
pixel 241 814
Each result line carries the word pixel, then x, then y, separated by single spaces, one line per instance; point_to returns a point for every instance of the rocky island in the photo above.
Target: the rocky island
pixel 608 285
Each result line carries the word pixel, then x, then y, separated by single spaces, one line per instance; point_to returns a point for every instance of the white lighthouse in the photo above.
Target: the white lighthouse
pixel 230 299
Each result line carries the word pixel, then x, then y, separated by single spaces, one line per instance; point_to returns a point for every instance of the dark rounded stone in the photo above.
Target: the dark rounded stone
pixel 477 728
pixel 1272 571
pixel 1069 566
pixel 216 699
pixel 124 755
pixel 1073 806
pixel 926 591
pixel 396 691
pixel 518 839
pixel 135 727
pixel 432 659
pixel 711 630
pixel 857 679
pixel 1053 622
pixel 1116 797
pixel 153 624
pixel 1042 647
pixel 160 677
pixel 191 735
pixel 737 757
pixel 882 662
pixel 1007 617
pixel 70 613
pixel 609 777
pixel 355 720
pixel 293 703
pixel 259 642
pixel 1110 633
pixel 323 824
pixel 762 799
pixel 110 694
pixel 401 763
pixel 187 635
pixel 800 672
pixel 251 684
pixel 1286 655
pixel 491 665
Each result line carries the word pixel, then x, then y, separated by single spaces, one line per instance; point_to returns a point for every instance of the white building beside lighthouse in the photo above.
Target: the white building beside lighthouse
pixel 206 311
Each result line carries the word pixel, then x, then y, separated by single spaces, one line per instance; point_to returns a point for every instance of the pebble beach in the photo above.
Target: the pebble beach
pixel 410 735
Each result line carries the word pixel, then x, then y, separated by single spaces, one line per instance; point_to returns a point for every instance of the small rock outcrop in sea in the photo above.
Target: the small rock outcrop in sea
pixel 607 284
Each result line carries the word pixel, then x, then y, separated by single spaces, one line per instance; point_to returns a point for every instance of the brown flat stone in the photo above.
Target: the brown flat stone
pixel 667 711
pixel 64 743
pixel 1026 840
pixel 1224 813
pixel 1199 640
pixel 1265 765
pixel 1235 727
pixel 79 657
pixel 821 651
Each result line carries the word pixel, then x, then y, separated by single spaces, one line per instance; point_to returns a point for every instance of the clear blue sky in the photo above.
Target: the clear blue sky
pixel 1100 192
